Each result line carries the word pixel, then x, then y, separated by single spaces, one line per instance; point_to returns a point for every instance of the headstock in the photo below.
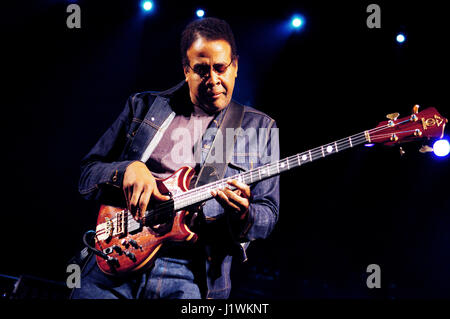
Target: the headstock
pixel 419 125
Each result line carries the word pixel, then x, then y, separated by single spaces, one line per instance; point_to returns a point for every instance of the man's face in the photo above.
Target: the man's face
pixel 211 74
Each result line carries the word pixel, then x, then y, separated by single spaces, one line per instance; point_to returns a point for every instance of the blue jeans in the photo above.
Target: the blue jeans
pixel 169 278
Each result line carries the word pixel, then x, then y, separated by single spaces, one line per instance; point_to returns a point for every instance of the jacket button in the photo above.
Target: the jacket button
pixel 114 179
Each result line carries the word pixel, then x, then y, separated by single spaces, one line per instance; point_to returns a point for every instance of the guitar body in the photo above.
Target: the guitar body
pixel 129 244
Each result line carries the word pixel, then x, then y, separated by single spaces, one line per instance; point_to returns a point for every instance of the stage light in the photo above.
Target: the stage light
pixel 200 13
pixel 441 148
pixel 400 38
pixel 147 5
pixel 297 22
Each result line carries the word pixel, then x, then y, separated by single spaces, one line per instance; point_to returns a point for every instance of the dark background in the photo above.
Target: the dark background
pixel 62 88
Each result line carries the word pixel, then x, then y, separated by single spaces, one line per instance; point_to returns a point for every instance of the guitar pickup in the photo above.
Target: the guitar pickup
pixel 133 225
pixel 121 222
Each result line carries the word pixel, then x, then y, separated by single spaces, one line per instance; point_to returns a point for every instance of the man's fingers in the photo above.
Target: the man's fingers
pixel 233 197
pixel 137 190
pixel 157 194
pixel 127 193
pixel 144 199
pixel 225 199
pixel 243 188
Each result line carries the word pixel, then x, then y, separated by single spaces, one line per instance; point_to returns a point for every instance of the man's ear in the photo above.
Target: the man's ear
pixel 186 73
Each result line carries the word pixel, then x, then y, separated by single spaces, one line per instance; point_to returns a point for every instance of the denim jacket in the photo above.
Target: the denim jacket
pixel 131 138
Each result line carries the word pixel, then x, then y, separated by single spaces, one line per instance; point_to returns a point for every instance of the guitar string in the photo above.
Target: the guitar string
pixel 266 171
pixel 198 194
pixel 314 152
pixel 341 141
pixel 192 196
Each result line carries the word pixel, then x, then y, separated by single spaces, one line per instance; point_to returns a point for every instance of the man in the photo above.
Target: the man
pixel 139 147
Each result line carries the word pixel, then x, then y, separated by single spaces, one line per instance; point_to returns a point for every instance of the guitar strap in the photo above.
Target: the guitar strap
pixel 222 148
pixel 213 169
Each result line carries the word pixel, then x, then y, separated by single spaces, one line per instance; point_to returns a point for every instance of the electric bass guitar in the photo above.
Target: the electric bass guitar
pixel 124 244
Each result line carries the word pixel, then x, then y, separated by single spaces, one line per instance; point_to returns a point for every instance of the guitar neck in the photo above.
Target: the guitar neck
pixel 203 193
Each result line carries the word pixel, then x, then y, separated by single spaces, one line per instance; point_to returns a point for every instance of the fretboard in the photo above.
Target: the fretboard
pixel 203 193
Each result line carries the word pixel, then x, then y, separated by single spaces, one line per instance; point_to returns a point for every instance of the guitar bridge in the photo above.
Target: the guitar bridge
pixel 117 226
pixel 109 228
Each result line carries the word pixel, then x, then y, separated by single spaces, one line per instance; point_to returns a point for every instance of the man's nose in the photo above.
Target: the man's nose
pixel 213 78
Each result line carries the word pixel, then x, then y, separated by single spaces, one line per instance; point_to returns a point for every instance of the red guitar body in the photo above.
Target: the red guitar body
pixel 131 246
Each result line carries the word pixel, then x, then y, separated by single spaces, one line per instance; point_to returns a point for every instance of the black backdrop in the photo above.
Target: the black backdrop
pixel 63 87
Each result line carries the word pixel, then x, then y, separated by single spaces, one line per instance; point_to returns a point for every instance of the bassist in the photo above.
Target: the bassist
pixel 159 132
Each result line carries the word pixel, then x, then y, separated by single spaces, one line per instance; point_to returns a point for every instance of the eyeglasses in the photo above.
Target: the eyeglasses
pixel 203 69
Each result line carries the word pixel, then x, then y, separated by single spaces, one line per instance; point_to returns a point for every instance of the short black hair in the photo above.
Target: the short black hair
pixel 209 28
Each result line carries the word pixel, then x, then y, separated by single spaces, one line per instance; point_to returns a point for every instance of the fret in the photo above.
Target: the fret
pixel 323 154
pixel 245 178
pixel 310 157
pixel 298 159
pixel 262 172
pixel 272 166
pixel 267 170
pixel 250 180
pixel 336 147
pixel 350 140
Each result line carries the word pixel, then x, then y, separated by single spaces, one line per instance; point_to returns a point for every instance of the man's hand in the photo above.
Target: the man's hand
pixel 139 185
pixel 239 199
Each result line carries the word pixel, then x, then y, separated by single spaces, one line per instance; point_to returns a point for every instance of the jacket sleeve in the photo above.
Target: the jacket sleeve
pixel 264 207
pixel 101 169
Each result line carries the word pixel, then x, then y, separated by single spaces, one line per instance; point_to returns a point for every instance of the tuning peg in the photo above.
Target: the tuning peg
pixel 393 116
pixel 425 149
pixel 416 109
pixel 402 152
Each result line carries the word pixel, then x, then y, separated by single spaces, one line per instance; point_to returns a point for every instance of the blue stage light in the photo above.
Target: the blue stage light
pixel 147 5
pixel 441 148
pixel 297 22
pixel 400 38
pixel 200 13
